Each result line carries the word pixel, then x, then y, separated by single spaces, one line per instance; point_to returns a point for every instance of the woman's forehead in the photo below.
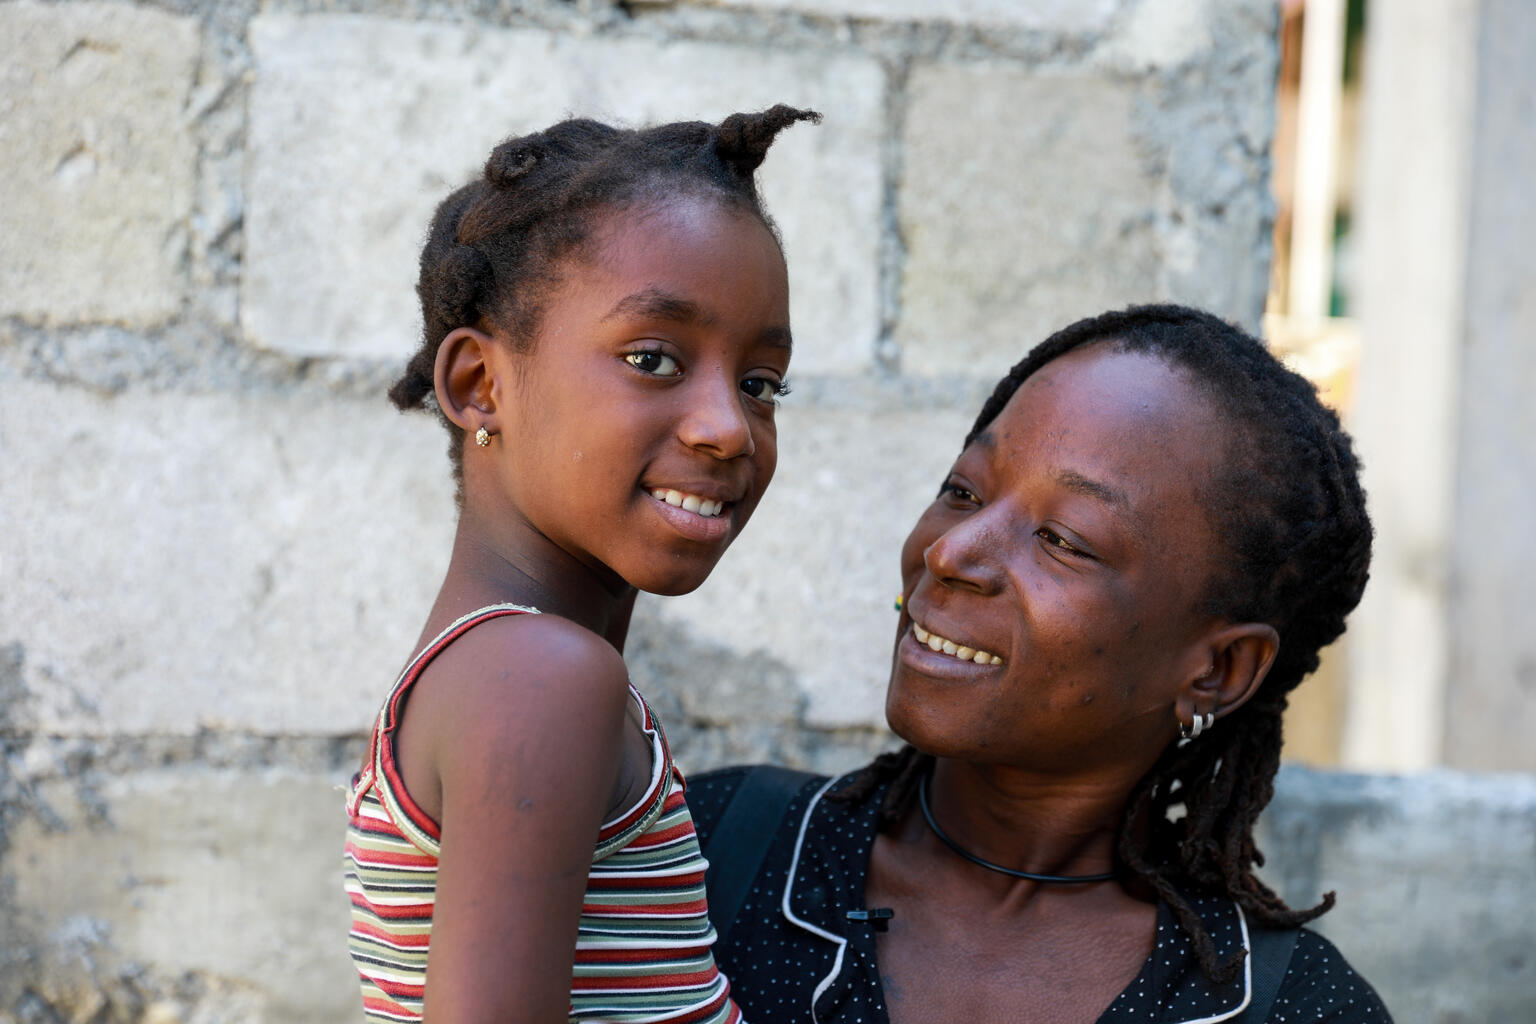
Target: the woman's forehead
pixel 1118 423
pixel 1096 392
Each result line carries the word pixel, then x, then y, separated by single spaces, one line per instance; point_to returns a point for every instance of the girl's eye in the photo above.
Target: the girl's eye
pixel 658 364
pixel 1056 540
pixel 765 388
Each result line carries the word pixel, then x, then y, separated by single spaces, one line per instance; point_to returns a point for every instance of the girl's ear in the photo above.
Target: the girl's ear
pixel 465 381
pixel 1241 656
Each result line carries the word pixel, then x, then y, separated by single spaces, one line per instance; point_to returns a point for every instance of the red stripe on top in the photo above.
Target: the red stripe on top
pixel 418 817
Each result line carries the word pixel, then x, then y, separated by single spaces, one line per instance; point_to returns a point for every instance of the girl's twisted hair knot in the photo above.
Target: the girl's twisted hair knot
pixel 742 140
pixel 512 159
pixel 459 280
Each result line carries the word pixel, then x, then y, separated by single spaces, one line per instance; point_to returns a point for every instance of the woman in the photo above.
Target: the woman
pixel 1151 531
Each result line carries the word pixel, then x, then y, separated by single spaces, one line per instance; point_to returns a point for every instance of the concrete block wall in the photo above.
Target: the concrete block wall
pixel 217 540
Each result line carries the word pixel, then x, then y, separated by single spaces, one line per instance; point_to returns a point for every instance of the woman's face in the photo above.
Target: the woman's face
pixel 1064 562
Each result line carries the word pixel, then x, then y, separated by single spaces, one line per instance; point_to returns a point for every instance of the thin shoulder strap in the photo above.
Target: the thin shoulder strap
pixel 741 838
pixel 388 717
pixel 1271 951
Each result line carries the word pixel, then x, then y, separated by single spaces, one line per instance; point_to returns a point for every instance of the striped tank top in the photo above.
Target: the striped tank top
pixel 642 949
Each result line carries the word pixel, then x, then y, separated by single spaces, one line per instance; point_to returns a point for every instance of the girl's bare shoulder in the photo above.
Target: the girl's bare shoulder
pixel 523 675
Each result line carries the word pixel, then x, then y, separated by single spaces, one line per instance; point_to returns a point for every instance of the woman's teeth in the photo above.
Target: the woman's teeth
pixel 943 646
pixel 689 502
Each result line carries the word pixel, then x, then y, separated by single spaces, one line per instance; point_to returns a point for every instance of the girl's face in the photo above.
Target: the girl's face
pixel 640 427
pixel 1069 545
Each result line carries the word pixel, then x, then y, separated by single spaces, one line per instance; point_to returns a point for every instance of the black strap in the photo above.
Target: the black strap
pixel 1271 952
pixel 741 838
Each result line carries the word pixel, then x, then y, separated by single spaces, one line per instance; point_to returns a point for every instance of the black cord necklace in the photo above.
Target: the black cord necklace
pixel 922 799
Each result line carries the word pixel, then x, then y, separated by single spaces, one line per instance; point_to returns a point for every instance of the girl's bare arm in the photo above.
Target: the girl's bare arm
pixel 528 740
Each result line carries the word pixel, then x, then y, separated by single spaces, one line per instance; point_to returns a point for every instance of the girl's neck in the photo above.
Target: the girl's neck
pixel 508 562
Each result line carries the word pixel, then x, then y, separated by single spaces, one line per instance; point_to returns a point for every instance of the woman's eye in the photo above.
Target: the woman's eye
pixel 765 388
pixel 1056 540
pixel 958 493
pixel 658 364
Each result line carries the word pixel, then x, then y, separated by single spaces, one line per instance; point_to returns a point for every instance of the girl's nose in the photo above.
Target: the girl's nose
pixel 970 555
pixel 716 421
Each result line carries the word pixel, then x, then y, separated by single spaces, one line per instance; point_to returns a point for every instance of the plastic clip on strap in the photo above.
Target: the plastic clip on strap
pixel 878 918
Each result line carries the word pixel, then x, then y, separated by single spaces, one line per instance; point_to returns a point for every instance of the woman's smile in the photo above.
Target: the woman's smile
pixel 959 650
pixel 920 657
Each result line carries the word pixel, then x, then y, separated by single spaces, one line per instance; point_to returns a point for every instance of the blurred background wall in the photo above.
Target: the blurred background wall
pixel 218 541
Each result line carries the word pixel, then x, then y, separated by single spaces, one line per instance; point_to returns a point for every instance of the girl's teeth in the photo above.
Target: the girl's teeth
pixel 689 502
pixel 934 642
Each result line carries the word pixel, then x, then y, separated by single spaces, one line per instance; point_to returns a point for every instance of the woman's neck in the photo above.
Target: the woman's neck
pixel 1025 821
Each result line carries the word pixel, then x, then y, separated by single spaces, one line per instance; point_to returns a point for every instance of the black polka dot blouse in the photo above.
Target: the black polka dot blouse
pixel 793 955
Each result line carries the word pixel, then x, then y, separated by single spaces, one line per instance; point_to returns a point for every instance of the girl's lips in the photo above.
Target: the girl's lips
pixel 692 525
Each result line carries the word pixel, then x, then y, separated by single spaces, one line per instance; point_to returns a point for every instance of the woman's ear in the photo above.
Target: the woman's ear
pixel 465 381
pixel 1241 656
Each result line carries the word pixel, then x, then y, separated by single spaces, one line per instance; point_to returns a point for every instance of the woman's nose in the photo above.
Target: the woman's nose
pixel 716 421
pixel 969 555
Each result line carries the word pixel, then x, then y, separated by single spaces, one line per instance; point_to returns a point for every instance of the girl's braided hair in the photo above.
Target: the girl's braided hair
pixel 495 246
pixel 1288 504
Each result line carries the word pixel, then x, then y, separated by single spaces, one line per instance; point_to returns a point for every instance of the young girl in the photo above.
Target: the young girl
pixel 606 334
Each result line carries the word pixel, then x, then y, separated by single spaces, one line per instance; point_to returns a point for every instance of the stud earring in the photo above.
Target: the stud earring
pixel 483 438
pixel 899 601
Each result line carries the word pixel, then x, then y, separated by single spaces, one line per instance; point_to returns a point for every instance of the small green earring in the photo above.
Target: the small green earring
pixel 899 599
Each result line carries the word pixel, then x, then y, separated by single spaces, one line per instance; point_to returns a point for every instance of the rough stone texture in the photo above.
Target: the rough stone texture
pixel 1490 698
pixel 98 159
pixel 169 887
pixel 1030 199
pixel 214 561
pixel 1427 868
pixel 350 154
pixel 1025 203
pixel 825 540
pixel 1066 16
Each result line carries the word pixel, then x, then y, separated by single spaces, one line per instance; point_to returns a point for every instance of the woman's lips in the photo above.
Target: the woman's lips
pixel 943 645
pixel 918 656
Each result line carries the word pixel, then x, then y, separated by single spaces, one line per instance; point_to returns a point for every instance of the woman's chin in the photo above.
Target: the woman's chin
pixel 925 726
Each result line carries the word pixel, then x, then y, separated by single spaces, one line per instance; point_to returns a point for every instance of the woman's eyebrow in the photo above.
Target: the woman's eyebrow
pixel 1094 489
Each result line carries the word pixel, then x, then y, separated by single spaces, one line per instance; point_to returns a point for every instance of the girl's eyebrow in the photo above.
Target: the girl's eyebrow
pixel 655 304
